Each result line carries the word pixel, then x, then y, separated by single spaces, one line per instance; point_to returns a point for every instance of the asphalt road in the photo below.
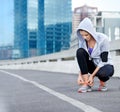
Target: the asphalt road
pixel 39 91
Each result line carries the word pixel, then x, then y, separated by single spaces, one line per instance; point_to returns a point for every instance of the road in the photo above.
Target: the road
pixel 40 91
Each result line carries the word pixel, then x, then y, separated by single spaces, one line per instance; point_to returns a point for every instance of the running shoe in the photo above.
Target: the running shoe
pixel 84 89
pixel 102 88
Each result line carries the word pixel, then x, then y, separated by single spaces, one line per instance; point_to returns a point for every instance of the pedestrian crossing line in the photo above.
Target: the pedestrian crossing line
pixel 74 102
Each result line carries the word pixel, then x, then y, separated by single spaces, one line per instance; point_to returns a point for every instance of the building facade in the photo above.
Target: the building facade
pixel 32 27
pixel 80 13
pixel 51 22
pixel 54 25
pixel 6 52
pixel 32 40
pixel 20 28
pixel 107 22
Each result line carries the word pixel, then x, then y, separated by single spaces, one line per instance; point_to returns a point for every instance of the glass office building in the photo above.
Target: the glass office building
pixel 20 28
pixel 41 26
pixel 32 27
pixel 54 25
pixel 32 15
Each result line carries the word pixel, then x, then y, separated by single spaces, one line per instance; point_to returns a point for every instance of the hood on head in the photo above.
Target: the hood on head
pixel 86 25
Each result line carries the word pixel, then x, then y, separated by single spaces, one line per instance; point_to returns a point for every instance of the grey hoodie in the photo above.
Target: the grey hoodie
pixel 101 46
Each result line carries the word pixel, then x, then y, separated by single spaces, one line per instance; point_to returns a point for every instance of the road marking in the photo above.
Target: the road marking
pixel 76 103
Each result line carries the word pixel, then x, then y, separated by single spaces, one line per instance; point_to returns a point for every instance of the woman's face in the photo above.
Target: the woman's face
pixel 85 35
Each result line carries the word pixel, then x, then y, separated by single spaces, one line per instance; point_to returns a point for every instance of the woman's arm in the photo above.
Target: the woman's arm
pixel 91 77
pixel 95 71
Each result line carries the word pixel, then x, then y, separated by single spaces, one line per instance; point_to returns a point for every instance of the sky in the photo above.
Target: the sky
pixel 6 15
pixel 103 5
pixel 6 22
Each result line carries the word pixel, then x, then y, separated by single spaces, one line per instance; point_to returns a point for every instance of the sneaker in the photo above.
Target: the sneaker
pixel 102 88
pixel 84 89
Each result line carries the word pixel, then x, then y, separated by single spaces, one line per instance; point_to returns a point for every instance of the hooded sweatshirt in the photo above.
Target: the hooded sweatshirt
pixel 100 54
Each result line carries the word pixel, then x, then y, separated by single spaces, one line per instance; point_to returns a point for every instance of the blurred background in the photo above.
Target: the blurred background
pixel 30 28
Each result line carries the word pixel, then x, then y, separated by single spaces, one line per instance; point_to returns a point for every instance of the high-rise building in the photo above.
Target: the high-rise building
pixel 54 25
pixel 32 34
pixel 41 26
pixel 20 28
pixel 80 13
pixel 32 27
pixel 32 14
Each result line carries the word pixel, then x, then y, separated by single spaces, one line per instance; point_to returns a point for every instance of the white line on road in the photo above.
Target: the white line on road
pixel 76 103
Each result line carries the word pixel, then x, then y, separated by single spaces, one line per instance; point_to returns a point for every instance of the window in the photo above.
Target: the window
pixel 117 33
pixel 109 33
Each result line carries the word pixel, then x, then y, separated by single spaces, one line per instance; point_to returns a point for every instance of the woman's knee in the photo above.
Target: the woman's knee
pixel 105 73
pixel 80 51
pixel 104 79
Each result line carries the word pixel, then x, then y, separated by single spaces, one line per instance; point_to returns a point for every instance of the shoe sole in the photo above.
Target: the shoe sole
pixel 102 90
pixel 89 90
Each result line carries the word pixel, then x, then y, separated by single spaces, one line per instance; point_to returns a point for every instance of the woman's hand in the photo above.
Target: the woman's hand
pixel 91 80
pixel 80 80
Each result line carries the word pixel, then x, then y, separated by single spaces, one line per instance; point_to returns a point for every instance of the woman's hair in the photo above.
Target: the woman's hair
pixel 82 30
pixel 85 31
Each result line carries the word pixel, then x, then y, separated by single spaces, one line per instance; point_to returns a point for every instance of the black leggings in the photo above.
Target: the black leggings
pixel 86 66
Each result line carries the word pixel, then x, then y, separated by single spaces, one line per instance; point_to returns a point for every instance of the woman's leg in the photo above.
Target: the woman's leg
pixel 82 58
pixel 85 65
pixel 105 72
pixel 104 75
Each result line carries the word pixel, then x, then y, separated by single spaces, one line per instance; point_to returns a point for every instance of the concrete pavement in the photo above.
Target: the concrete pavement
pixel 39 91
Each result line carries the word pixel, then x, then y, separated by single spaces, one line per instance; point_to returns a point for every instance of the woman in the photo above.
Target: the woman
pixel 93 57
